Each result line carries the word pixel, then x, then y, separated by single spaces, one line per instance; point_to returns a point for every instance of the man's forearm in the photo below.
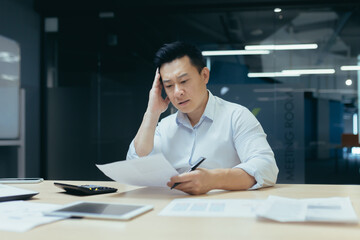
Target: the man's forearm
pixel 144 139
pixel 232 179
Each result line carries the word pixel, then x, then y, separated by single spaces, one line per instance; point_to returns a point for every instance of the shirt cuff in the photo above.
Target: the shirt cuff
pixel 131 154
pixel 254 173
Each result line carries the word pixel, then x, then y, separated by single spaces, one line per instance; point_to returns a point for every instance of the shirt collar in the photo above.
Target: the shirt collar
pixel 210 107
pixel 181 118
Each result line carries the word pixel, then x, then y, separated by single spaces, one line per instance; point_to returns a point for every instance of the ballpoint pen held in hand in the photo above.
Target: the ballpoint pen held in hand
pixel 193 167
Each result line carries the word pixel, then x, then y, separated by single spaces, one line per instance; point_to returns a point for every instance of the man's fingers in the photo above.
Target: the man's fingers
pixel 156 79
pixel 184 177
pixel 180 186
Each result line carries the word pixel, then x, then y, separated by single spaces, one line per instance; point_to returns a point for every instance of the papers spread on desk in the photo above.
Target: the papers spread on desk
pixel 189 207
pixel 336 209
pixel 21 216
pixel 280 209
pixel 152 171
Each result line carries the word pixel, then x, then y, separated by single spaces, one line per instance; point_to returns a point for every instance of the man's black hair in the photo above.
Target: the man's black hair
pixel 171 51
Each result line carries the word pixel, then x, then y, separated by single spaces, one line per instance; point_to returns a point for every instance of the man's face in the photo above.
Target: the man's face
pixel 185 86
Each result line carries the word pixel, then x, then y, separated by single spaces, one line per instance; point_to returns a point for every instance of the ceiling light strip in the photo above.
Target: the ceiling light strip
pixel 282 47
pixel 272 74
pixel 350 68
pixel 234 52
pixel 310 71
pixel 291 73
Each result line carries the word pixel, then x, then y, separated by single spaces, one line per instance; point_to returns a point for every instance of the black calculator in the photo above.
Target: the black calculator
pixel 83 190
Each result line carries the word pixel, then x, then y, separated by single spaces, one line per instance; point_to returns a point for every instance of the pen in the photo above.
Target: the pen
pixel 196 164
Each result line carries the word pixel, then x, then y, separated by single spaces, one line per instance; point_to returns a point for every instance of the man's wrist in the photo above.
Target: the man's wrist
pixel 232 179
pixel 219 178
pixel 152 116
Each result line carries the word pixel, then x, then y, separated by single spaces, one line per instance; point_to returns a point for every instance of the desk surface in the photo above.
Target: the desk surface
pixel 152 226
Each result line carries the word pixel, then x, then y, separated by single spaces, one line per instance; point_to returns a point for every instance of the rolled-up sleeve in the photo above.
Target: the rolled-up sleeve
pixel 256 156
pixel 131 154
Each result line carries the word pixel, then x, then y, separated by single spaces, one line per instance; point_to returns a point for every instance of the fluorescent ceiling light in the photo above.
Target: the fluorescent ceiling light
pixel 350 68
pixel 234 52
pixel 272 74
pixel 277 10
pixel 282 47
pixel 281 89
pixel 291 73
pixel 310 71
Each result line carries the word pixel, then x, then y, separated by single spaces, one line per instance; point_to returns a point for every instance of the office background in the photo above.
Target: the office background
pixel 86 67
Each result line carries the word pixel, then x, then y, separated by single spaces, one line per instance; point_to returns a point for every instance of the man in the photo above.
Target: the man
pixel 238 156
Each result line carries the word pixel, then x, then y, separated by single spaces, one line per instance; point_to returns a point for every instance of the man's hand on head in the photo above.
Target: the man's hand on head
pixel 157 104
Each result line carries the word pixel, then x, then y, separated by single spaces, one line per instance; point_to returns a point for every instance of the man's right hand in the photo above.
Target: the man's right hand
pixel 144 139
pixel 157 104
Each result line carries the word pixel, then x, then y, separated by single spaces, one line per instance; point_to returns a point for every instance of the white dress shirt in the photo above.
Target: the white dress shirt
pixel 228 135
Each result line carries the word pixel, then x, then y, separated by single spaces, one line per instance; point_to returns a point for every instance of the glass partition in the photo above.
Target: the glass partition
pixel 295 68
pixel 9 88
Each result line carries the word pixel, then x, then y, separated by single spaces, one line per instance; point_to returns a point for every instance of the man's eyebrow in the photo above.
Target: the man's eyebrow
pixel 182 75
pixel 178 77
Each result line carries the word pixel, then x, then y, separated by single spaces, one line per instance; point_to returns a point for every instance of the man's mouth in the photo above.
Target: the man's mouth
pixel 183 102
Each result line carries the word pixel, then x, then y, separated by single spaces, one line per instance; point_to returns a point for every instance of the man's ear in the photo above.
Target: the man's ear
pixel 205 74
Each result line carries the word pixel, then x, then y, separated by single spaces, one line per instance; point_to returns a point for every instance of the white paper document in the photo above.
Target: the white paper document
pixel 336 209
pixel 189 207
pixel 21 216
pixel 152 171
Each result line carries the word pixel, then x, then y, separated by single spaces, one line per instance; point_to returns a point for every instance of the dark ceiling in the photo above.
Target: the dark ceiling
pixel 85 7
pixel 138 28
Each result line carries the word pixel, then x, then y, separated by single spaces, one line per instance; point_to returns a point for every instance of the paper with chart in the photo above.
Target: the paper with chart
pixel 21 216
pixel 335 209
pixel 152 171
pixel 189 207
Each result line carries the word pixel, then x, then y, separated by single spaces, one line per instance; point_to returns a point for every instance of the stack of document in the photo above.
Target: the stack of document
pixel 280 209
pixel 190 207
pixel 336 209
pixel 21 216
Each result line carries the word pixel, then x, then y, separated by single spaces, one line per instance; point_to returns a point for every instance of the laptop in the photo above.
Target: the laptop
pixel 8 193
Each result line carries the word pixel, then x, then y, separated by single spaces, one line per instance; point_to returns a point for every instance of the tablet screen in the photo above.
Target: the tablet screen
pixel 101 210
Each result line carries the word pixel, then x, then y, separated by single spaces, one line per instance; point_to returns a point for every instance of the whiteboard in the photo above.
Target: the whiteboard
pixel 9 88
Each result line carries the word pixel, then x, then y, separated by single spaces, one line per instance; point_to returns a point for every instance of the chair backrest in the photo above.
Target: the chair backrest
pixel 350 140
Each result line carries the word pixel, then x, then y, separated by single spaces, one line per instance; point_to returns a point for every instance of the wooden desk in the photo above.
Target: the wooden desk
pixel 152 226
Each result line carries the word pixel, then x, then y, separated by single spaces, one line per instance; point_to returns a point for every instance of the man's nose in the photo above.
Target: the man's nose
pixel 179 91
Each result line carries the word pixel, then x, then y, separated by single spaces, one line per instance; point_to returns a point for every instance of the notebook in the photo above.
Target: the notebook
pixel 8 193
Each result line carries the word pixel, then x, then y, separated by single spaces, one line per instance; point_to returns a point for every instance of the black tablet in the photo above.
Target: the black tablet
pixel 9 193
pixel 100 210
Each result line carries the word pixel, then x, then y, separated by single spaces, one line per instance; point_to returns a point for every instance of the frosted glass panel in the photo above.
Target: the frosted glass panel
pixel 9 88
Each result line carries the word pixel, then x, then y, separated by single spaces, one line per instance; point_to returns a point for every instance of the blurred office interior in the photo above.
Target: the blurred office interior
pixel 86 68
